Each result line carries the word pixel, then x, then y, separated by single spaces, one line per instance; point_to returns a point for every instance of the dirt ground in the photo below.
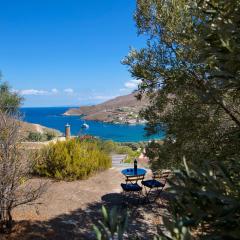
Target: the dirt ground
pixel 68 210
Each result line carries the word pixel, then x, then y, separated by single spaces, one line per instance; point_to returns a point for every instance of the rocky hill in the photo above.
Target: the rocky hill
pixel 123 109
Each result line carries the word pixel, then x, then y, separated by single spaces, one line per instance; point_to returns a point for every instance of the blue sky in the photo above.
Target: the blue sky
pixel 67 52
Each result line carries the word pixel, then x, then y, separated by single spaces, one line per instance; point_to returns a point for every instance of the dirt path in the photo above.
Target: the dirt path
pixel 68 210
pixel 63 197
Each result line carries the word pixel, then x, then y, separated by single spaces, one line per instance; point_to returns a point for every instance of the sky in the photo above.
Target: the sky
pixel 67 52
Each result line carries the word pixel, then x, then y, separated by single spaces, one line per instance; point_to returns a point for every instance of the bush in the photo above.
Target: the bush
pixel 49 135
pixel 135 145
pixel 207 198
pixel 108 146
pixel 130 149
pixel 35 137
pixel 40 137
pixel 72 159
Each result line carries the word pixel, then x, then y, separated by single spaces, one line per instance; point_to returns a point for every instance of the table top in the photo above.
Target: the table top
pixel 131 172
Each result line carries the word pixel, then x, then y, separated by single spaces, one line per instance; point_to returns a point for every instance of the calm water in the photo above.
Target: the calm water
pixel 53 118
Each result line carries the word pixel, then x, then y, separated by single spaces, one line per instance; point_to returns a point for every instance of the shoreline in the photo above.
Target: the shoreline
pixel 115 131
pixel 141 122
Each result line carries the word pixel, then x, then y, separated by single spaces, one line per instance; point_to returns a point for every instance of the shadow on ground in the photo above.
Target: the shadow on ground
pixel 78 224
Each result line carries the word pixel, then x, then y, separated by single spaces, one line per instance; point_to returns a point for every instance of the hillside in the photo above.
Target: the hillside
pixel 123 109
pixel 27 128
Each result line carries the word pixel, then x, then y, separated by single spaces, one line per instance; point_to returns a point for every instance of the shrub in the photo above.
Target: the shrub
pixel 207 199
pixel 72 159
pixel 135 145
pixel 49 135
pixel 113 226
pixel 119 148
pixel 35 137
pixel 131 149
pixel 40 137
pixel 108 146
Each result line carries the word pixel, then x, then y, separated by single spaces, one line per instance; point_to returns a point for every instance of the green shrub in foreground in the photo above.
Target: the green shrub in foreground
pixel 71 160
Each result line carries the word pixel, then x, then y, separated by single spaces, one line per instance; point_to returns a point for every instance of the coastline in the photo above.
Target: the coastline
pixel 119 132
pixel 120 110
pixel 133 122
pixel 108 119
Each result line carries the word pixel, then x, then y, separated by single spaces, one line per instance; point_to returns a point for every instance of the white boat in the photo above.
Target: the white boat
pixel 86 126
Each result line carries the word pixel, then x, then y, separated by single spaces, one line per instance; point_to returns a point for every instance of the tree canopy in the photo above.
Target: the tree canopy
pixel 9 101
pixel 190 70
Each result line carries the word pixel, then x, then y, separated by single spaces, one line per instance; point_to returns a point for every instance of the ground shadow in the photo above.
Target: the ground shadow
pixel 78 224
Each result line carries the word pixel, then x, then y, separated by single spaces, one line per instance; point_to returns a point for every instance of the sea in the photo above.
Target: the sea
pixel 53 117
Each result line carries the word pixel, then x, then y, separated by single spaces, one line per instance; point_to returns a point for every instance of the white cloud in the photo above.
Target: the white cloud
pixel 54 91
pixel 132 84
pixel 14 90
pixel 36 92
pixel 32 92
pixel 68 90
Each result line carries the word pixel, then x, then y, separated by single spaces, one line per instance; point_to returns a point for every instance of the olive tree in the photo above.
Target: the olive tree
pixel 190 70
pixel 9 101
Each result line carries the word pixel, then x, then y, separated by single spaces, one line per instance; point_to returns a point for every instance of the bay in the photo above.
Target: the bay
pixel 53 117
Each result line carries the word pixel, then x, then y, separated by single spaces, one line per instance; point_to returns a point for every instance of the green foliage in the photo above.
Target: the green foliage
pixel 209 198
pixel 35 137
pixel 131 154
pixel 190 70
pixel 130 149
pixel 50 135
pixel 108 146
pixel 135 145
pixel 9 101
pixel 40 137
pixel 71 160
pixel 114 224
pixel 176 230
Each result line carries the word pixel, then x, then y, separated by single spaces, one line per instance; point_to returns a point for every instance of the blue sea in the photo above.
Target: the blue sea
pixel 52 117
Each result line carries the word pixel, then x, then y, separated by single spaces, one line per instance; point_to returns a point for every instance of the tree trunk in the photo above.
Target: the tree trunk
pixel 9 219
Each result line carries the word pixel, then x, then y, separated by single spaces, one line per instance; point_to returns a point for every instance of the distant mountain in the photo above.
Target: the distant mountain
pixel 123 109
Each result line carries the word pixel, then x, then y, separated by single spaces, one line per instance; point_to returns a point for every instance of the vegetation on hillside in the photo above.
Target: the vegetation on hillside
pixel 40 137
pixel 131 149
